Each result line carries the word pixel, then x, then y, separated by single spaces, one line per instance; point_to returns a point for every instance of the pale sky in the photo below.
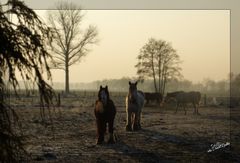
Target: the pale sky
pixel 201 38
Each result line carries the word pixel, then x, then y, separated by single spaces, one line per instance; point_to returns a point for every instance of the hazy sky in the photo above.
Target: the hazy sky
pixel 201 38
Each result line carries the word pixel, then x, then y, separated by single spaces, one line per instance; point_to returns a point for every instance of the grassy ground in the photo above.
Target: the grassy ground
pixel 165 137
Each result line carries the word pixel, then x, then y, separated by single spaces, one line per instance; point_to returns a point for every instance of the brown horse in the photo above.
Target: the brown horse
pixel 183 98
pixel 105 112
pixel 149 97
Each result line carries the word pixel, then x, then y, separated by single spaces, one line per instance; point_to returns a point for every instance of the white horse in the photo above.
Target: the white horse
pixel 134 105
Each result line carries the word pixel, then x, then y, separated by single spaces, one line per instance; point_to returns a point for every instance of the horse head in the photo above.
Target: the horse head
pixel 172 96
pixel 132 94
pixel 167 98
pixel 103 95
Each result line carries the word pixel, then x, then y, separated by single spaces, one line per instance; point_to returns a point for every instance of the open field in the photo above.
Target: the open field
pixel 165 137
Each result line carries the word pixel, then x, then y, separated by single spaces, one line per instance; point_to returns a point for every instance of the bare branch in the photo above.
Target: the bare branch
pixel 23 45
pixel 70 43
pixel 158 60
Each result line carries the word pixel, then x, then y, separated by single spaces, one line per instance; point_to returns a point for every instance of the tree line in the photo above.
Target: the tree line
pixel 207 86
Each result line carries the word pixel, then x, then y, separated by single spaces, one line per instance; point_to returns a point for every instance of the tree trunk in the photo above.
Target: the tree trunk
pixel 154 76
pixel 163 77
pixel 67 80
pixel 66 75
pixel 155 84
pixel 164 84
pixel 159 74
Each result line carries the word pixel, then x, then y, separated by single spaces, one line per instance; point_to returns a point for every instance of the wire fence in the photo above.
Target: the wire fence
pixel 87 99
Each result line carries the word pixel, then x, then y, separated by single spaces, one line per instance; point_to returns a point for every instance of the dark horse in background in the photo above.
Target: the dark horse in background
pixel 105 112
pixel 134 105
pixel 150 97
pixel 183 98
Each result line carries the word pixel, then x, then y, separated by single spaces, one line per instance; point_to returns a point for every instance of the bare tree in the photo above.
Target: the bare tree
pixel 158 60
pixel 22 49
pixel 70 43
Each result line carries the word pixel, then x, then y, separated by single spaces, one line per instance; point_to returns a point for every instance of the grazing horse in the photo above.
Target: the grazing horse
pixel 171 96
pixel 134 105
pixel 105 112
pixel 153 97
pixel 183 98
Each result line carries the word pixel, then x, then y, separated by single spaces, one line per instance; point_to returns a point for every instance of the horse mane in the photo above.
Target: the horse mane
pixel 130 85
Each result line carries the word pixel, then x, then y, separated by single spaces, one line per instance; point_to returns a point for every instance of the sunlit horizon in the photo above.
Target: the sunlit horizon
pixel 201 38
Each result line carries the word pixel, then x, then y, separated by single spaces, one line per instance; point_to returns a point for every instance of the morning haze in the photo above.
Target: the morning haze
pixel 201 38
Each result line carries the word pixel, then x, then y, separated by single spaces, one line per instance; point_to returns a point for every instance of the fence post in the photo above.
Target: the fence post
pixel 59 100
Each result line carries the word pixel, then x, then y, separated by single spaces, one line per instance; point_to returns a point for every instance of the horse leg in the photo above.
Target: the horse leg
pixel 100 131
pixel 177 108
pixel 129 126
pixel 197 109
pixel 135 122
pixel 110 130
pixel 139 120
pixel 184 108
pixel 194 107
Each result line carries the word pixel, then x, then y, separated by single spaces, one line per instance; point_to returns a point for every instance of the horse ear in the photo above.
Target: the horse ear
pixel 100 86
pixel 136 83
pixel 106 87
pixel 129 83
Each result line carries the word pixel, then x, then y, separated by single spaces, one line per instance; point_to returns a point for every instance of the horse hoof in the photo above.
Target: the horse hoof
pixel 99 142
pixel 136 128
pixel 111 141
pixel 128 128
pixel 139 127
